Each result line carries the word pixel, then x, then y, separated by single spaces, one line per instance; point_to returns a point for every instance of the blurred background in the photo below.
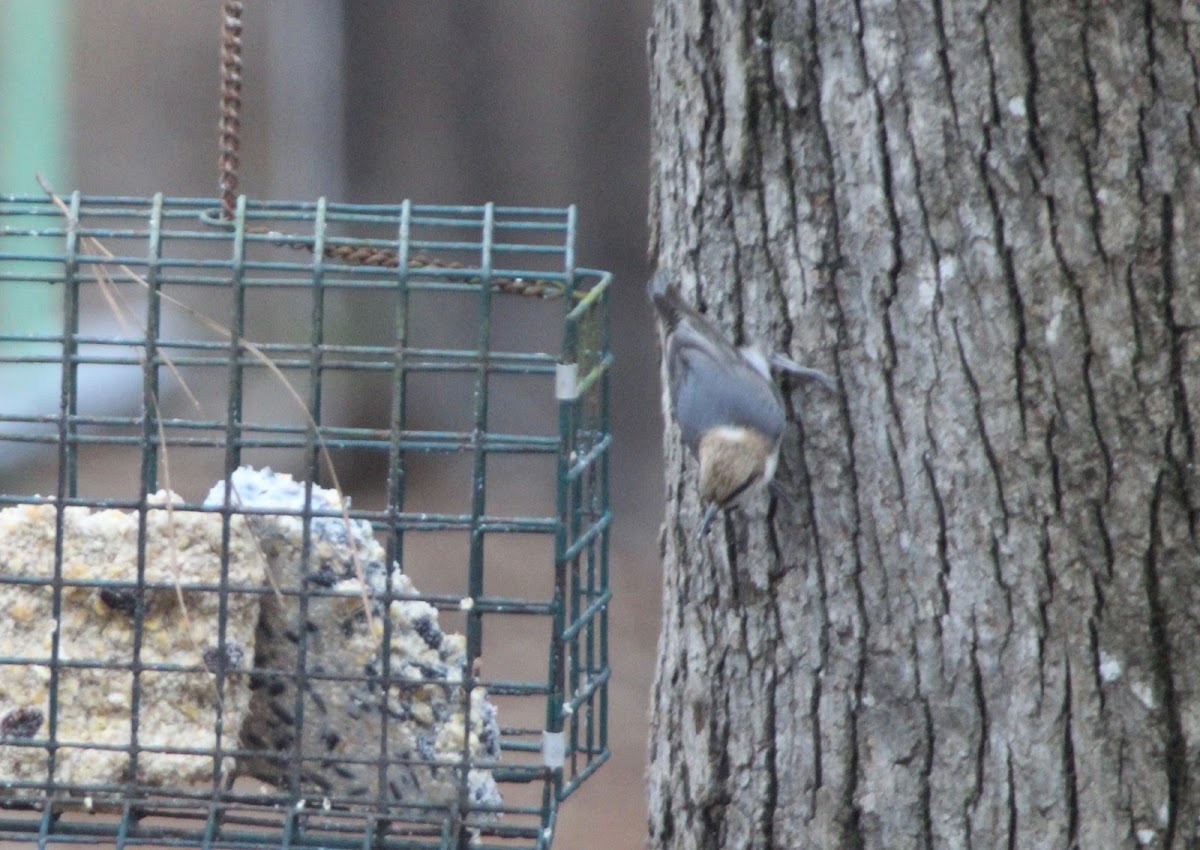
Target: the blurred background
pixel 375 101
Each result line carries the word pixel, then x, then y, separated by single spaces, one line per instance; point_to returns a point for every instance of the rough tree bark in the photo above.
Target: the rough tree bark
pixel 975 627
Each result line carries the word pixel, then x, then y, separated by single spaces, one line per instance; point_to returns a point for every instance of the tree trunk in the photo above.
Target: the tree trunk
pixel 974 626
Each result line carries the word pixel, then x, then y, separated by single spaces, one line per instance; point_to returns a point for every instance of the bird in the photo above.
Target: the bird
pixel 725 400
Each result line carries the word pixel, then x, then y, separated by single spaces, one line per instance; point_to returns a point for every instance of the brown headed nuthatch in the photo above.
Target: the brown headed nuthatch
pixel 729 410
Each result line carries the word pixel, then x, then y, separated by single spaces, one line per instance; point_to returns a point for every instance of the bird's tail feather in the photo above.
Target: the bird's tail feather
pixel 667 301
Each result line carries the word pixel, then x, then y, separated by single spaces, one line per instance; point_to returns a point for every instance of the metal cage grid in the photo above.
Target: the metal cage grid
pixel 201 288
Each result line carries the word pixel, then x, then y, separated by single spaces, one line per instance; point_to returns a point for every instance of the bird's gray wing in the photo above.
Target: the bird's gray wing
pixel 712 386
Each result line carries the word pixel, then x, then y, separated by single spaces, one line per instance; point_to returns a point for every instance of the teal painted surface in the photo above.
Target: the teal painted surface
pixel 33 137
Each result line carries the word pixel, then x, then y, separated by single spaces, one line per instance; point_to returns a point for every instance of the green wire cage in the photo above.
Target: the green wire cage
pixel 321 553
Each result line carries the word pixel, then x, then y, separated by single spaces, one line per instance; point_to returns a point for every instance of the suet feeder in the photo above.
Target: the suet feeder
pixel 173 659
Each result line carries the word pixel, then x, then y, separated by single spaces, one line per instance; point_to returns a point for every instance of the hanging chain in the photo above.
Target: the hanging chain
pixel 231 104
pixel 229 160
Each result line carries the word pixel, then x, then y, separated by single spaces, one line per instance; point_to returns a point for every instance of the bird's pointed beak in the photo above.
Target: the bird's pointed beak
pixel 710 513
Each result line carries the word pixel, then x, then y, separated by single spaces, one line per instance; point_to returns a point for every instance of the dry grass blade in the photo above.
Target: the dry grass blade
pixel 122 312
pixel 255 351
pixel 112 295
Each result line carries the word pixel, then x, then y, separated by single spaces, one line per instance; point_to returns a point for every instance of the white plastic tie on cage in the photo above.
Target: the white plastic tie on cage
pixel 554 749
pixel 566 381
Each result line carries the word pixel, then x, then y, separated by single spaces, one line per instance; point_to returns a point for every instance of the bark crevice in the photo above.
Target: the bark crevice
pixel 1174 738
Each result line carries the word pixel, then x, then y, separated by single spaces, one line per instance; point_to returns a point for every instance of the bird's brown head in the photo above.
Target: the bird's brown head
pixel 732 460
